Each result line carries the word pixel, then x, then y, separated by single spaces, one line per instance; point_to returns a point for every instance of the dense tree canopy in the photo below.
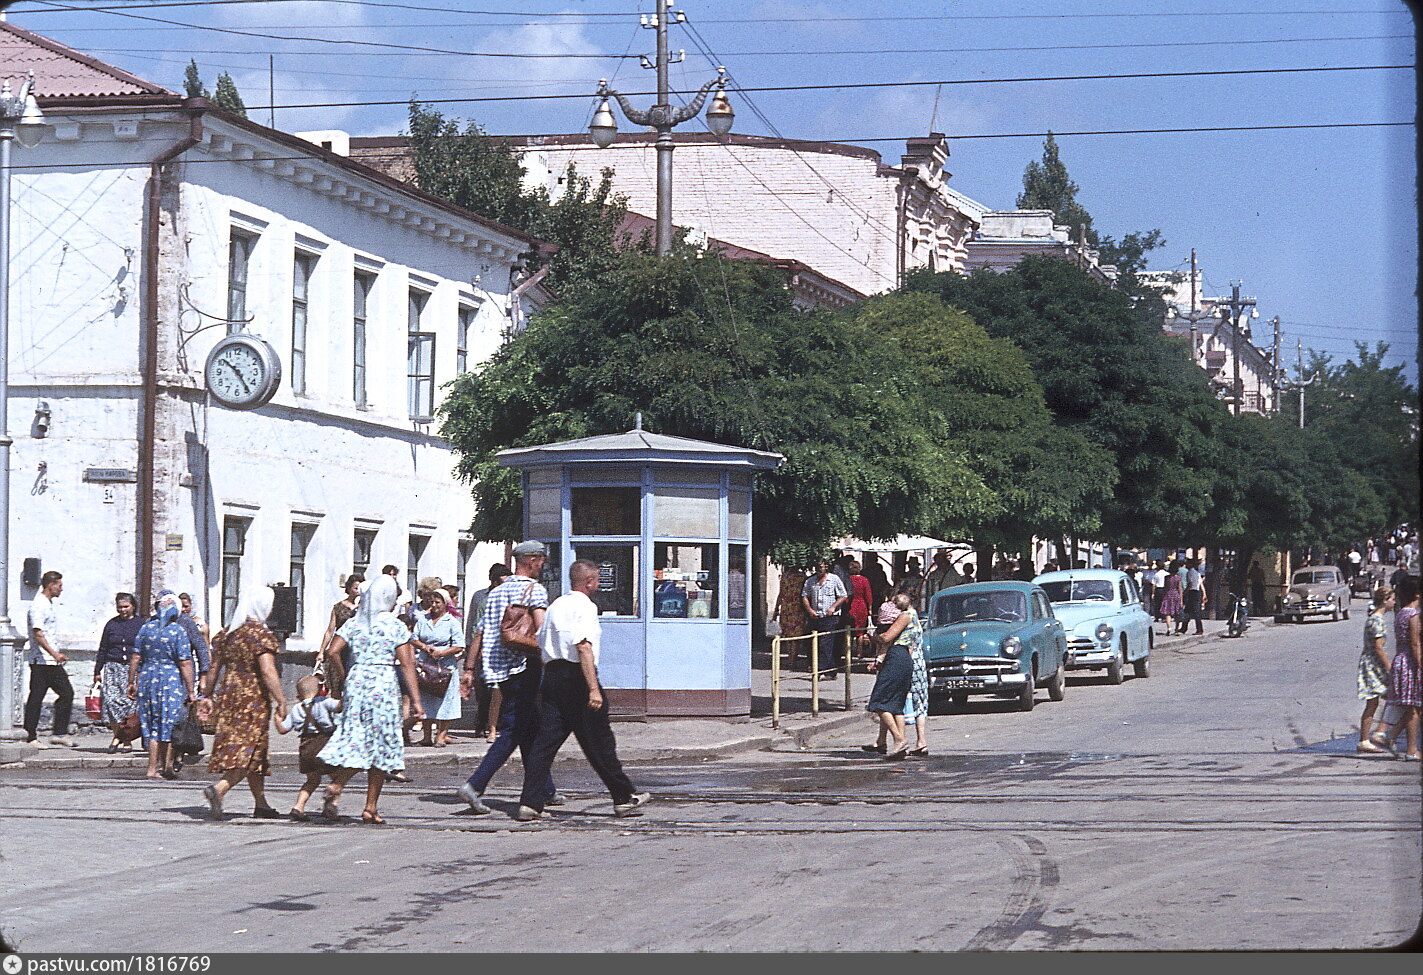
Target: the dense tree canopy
pixel 1111 375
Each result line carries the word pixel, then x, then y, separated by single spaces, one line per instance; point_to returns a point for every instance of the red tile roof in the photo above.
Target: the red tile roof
pixel 62 72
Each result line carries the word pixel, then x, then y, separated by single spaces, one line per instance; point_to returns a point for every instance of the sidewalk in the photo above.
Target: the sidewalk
pixel 657 739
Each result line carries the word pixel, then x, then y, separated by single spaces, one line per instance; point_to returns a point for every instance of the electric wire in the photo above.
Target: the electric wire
pixel 889 84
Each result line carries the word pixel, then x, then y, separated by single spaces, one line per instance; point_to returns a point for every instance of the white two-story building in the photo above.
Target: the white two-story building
pixel 147 227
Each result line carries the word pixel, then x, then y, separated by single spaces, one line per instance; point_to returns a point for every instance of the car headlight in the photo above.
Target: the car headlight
pixel 1104 632
pixel 1012 646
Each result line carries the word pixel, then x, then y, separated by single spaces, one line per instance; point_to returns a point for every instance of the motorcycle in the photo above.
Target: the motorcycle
pixel 1239 619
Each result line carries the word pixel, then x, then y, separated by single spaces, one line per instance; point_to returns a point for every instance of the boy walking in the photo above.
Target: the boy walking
pixel 47 671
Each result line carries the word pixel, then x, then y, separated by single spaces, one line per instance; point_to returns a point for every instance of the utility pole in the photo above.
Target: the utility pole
pixel 1275 370
pixel 1300 383
pixel 662 116
pixel 1233 311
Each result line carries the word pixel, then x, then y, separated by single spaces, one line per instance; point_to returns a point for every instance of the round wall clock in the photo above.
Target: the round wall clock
pixel 243 371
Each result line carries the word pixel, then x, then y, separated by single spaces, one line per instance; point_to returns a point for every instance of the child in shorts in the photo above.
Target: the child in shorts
pixel 313 716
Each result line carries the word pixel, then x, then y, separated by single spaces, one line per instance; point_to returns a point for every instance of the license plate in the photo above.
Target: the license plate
pixel 959 683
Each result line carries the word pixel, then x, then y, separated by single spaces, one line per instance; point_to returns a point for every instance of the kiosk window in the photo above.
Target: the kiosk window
pixel 686 512
pixel 736 582
pixel 617 577
pixel 685 581
pixel 545 512
pixel 607 511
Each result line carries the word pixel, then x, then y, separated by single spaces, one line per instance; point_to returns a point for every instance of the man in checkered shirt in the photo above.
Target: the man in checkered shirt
pixel 515 673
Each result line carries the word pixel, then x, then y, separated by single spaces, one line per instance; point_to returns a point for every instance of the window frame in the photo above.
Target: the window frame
pixel 303 270
pixel 296 567
pixel 362 286
pixel 419 355
pixel 240 246
pixel 230 577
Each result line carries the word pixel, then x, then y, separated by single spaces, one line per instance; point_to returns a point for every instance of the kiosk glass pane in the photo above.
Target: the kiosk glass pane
pixel 617 577
pixel 686 579
pixel 545 512
pixel 686 512
pixel 607 511
pixel 552 575
pixel 736 582
pixel 738 514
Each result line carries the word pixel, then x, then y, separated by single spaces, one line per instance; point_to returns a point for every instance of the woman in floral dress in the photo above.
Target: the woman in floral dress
pixel 1403 674
pixel 111 664
pixel 1373 672
pixel 246 657
pixel 161 681
pixel 369 735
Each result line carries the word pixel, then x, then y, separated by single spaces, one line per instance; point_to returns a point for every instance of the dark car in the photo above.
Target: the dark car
pixel 998 638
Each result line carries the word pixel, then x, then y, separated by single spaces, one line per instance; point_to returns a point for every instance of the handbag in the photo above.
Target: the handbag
pixel 129 728
pixel 94 703
pixel 432 678
pixel 516 628
pixel 187 737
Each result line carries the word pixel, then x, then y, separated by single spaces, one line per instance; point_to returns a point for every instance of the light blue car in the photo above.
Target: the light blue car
pixel 998 638
pixel 1106 624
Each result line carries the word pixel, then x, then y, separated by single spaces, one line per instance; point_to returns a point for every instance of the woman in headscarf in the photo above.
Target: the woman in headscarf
pixel 161 681
pixel 245 654
pixel 369 736
pixel 111 664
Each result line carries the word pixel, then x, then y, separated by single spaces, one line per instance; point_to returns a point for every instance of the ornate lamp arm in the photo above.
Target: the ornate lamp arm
pixel 657 115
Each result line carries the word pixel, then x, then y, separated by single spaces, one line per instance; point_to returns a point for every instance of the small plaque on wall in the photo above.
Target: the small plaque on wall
pixel 175 543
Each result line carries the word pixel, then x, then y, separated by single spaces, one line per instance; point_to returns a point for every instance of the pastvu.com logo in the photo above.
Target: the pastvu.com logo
pixel 11 964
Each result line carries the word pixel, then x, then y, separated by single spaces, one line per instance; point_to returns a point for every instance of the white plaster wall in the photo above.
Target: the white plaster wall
pixel 768 199
pixel 75 340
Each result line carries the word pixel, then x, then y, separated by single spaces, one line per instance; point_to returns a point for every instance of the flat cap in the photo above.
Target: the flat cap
pixel 530 548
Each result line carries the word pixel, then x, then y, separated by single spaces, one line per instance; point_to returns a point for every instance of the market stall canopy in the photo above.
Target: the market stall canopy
pixel 901 543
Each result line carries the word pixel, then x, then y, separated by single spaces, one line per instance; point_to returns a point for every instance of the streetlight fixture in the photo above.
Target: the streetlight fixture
pixel 20 121
pixel 663 117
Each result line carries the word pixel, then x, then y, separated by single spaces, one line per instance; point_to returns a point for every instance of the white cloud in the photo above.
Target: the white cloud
pixel 293 88
pixel 561 40
pixel 264 15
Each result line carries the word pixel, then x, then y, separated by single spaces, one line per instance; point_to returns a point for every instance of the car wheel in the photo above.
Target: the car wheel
pixel 1026 698
pixel 1335 615
pixel 959 699
pixel 1142 667
pixel 1114 669
pixel 1346 612
pixel 1057 687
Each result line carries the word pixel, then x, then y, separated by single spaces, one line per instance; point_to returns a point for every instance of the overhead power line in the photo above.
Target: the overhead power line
pixel 523 140
pixel 752 20
pixel 874 84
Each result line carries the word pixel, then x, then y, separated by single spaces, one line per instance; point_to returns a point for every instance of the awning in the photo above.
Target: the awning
pixel 901 543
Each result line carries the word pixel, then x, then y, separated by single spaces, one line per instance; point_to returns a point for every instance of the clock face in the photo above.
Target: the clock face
pixel 242 372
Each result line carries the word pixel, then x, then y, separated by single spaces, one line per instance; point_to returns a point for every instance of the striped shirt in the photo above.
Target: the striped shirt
pixel 500 662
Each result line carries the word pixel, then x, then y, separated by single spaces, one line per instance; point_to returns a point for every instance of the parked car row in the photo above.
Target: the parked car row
pixel 1007 639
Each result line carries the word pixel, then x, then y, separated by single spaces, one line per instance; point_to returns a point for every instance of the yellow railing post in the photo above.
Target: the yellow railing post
pixel 775 682
pixel 815 673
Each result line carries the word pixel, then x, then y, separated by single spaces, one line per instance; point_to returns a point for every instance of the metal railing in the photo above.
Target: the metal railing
pixel 845 635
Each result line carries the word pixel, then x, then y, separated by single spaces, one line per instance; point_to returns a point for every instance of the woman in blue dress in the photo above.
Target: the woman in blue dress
pixel 439 642
pixel 161 681
pixel 369 734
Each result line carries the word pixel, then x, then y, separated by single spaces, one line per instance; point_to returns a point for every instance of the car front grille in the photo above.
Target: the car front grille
pixel 971 667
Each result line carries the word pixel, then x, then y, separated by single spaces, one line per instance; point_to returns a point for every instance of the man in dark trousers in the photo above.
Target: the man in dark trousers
pixel 571 700
pixel 515 673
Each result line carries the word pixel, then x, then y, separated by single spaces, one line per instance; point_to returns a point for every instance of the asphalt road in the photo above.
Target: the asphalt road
pixel 1216 804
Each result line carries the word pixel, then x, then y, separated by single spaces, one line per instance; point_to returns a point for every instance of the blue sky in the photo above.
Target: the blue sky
pixel 1320 225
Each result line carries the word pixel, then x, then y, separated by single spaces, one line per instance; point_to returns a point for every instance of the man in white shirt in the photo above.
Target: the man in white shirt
pixel 47 671
pixel 1195 593
pixel 572 699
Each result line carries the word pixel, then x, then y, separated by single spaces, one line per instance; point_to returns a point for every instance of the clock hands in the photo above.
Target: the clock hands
pixel 246 388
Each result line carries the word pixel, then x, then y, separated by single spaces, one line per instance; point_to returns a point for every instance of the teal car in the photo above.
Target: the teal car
pixel 998 638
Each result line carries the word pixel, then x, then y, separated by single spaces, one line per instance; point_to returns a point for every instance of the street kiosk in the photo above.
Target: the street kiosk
pixel 668 522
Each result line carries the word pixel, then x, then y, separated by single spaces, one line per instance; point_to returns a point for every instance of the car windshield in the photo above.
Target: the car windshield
pixel 980 607
pixel 1078 590
pixel 1309 578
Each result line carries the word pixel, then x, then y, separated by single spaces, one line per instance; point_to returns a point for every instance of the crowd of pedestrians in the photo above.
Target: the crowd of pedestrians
pixel 1390 686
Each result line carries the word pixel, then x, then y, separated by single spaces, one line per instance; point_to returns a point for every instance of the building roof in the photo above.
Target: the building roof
pixel 62 72
pixel 641 139
pixel 638 445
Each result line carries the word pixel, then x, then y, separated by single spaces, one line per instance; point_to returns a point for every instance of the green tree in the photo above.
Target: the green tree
pixel 484 174
pixel 1047 186
pixel 711 349
pixel 1365 414
pixel 193 85
pixel 977 396
pixel 1110 374
pixel 227 96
